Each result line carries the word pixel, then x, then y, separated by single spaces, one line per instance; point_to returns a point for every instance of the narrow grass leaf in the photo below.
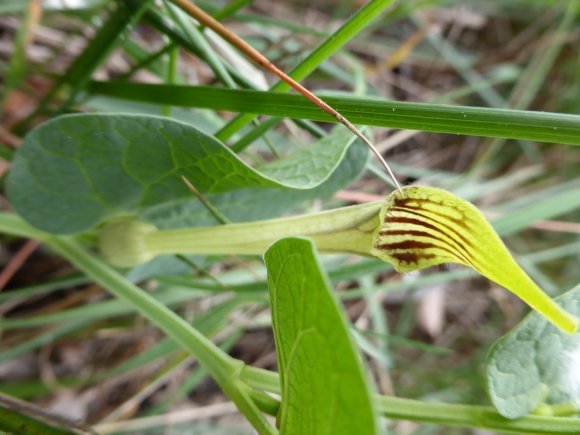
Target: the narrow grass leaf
pixel 97 310
pixel 361 19
pixel 15 421
pixel 476 121
pixel 78 74
pixel 547 206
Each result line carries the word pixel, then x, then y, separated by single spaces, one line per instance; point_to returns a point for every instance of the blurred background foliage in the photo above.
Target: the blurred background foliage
pixel 425 334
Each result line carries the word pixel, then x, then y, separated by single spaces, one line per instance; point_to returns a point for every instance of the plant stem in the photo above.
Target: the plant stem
pixel 482 417
pixel 223 368
pixel 449 414
pixel 558 410
pixel 331 231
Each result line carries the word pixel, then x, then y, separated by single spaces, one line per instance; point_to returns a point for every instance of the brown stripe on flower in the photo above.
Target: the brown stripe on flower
pixel 413 249
pixel 463 254
pixel 410 209
pixel 411 257
pixel 451 233
pixel 451 230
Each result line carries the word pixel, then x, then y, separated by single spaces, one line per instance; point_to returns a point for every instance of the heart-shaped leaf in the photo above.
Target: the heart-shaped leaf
pixel 253 204
pixel 72 172
pixel 535 363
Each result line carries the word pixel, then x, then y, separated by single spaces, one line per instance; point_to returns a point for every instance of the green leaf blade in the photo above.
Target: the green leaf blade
pixel 535 363
pixel 324 387
pixel 83 168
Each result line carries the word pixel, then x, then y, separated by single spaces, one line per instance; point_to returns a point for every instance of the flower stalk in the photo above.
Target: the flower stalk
pixel 127 242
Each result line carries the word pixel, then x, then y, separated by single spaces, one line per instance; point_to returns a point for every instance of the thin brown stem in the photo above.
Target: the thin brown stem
pixel 252 53
pixel 210 207
pixel 17 261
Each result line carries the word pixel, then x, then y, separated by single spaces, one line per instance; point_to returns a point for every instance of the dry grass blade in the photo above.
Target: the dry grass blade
pixel 252 53
pixel 16 262
pixel 36 412
pixel 188 415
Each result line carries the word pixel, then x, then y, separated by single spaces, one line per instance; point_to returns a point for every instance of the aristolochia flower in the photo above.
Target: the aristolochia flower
pixel 425 227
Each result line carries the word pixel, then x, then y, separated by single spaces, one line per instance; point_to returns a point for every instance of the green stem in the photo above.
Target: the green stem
pixel 223 368
pixel 448 414
pixel 558 410
pixel 16 226
pixel 482 417
pixel 333 231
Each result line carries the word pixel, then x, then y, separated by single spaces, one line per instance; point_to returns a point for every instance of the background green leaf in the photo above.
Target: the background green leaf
pixel 535 363
pixel 476 121
pixel 324 389
pixel 76 170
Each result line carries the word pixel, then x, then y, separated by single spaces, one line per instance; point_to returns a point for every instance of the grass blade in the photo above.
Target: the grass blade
pixel 476 121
